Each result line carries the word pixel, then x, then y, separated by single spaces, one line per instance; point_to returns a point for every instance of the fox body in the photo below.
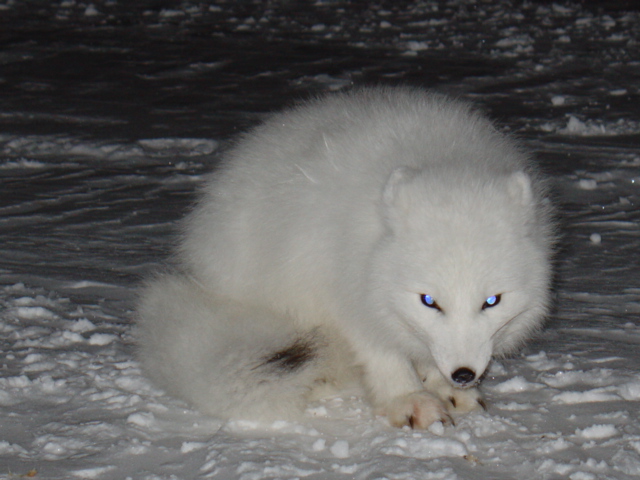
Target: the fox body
pixel 387 237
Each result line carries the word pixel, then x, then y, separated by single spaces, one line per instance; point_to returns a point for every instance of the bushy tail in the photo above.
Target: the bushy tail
pixel 225 358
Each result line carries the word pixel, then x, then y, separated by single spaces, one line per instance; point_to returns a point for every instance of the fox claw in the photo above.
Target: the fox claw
pixel 446 420
pixel 417 410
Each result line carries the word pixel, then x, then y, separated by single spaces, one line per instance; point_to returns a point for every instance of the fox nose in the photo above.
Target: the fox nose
pixel 463 376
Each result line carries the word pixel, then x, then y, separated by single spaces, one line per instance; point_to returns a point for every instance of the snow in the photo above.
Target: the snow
pixel 112 112
pixel 340 449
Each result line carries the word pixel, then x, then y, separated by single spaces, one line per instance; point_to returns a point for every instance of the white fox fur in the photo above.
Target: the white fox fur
pixel 314 250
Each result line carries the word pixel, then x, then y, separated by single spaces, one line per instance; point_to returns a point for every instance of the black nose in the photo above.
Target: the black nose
pixel 463 376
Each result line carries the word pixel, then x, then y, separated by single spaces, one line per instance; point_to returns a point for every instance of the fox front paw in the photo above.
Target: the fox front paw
pixel 417 410
pixel 464 401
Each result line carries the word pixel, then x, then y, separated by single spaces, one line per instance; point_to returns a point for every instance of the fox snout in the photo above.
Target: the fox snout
pixel 467 377
pixel 464 377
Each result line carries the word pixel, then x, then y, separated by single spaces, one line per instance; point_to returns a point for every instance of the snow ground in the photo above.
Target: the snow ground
pixel 111 112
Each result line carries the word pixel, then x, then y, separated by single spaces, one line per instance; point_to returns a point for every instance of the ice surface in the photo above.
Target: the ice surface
pixel 113 111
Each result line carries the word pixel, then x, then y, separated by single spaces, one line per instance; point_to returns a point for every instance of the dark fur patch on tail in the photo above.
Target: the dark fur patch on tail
pixel 291 358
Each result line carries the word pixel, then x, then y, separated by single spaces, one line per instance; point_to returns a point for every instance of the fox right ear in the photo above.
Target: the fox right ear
pixel 394 195
pixel 391 193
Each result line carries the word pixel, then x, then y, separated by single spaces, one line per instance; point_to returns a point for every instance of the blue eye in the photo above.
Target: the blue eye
pixel 492 301
pixel 428 301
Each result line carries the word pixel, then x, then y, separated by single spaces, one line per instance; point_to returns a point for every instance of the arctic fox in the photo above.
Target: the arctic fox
pixel 386 237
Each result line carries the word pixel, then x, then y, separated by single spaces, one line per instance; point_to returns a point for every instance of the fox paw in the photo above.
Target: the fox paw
pixel 463 401
pixel 417 410
pixel 457 400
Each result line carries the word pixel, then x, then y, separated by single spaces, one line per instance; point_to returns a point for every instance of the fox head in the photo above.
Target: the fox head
pixel 462 272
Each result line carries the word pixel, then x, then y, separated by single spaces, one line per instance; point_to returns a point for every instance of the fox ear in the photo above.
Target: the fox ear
pixel 394 195
pixel 520 188
pixel 391 194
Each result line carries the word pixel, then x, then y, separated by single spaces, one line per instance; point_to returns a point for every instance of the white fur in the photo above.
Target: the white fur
pixel 328 222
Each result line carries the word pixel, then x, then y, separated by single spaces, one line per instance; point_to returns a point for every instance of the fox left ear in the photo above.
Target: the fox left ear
pixel 520 188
